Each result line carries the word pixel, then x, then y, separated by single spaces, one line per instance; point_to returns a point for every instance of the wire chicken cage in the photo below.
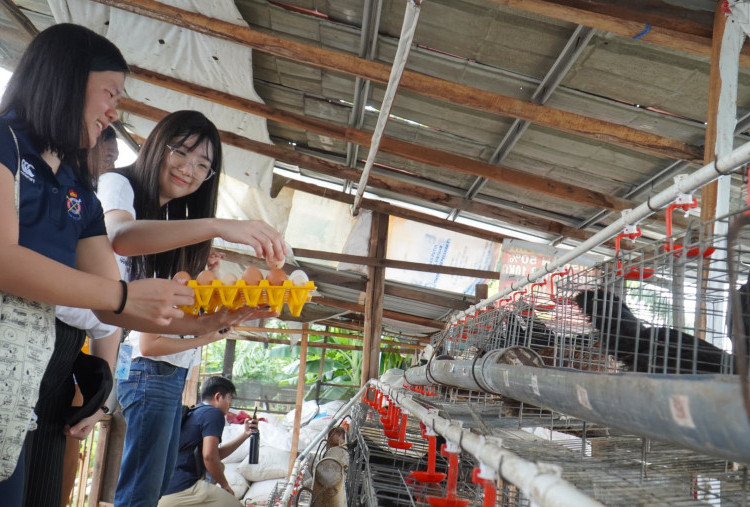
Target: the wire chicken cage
pixel 679 307
pixel 661 308
pixel 610 466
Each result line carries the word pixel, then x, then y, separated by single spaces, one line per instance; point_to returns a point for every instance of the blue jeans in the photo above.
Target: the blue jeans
pixel 151 400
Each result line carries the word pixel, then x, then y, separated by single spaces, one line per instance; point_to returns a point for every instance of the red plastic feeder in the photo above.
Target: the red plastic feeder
pixel 393 428
pixel 632 273
pixel 486 478
pixel 384 410
pixel 387 418
pixel 430 391
pixel 676 248
pixel 401 443
pixel 374 399
pixel 378 403
pixel 429 475
pixel 450 450
pixel 391 422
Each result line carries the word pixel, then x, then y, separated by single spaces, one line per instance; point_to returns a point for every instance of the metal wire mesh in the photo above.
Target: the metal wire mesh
pixel 657 309
pixel 661 309
pixel 608 465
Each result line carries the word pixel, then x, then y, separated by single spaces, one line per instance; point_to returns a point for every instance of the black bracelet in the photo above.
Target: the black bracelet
pixel 124 297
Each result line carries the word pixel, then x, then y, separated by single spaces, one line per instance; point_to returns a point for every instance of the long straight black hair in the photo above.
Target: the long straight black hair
pixel 47 91
pixel 174 130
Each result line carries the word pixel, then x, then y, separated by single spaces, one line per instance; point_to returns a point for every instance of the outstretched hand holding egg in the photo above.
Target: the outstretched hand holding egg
pixel 265 240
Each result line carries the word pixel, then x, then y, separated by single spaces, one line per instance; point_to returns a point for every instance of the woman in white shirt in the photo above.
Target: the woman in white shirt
pixel 160 218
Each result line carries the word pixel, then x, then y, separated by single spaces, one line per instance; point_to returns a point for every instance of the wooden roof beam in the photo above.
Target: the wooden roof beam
pixel 421 84
pixel 391 263
pixel 387 314
pixel 358 282
pixel 620 24
pixel 527 221
pixel 409 151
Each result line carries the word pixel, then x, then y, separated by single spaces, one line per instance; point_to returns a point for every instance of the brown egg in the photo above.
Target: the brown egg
pixel 182 276
pixel 252 275
pixel 205 277
pixel 276 277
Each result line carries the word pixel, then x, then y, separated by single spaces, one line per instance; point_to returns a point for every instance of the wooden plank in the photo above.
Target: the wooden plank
pixel 526 220
pixel 403 317
pixel 401 349
pixel 414 82
pixel 396 211
pixel 375 295
pixel 357 282
pixel 709 192
pixel 324 334
pixel 353 324
pixel 228 363
pixel 321 365
pixel 97 476
pixel 654 12
pixel 392 263
pixel 299 398
pixel 24 32
pixel 660 36
pixel 409 151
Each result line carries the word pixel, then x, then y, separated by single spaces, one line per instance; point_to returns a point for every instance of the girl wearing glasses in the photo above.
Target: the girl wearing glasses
pixel 160 218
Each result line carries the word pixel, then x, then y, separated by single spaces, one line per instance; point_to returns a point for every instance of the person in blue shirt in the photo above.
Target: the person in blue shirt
pixel 53 243
pixel 202 430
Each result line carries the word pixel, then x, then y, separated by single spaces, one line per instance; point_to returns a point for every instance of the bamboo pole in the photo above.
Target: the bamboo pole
pixel 300 396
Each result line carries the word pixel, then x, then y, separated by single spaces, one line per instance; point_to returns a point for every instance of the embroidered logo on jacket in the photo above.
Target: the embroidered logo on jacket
pixel 27 170
pixel 73 204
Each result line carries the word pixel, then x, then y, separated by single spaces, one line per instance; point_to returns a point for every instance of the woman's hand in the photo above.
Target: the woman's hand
pixel 226 318
pixel 83 427
pixel 157 300
pixel 265 240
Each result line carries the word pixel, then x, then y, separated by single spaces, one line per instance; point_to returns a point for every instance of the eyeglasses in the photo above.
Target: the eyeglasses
pixel 200 168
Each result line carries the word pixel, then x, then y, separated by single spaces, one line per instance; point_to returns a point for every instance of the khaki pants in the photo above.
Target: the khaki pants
pixel 200 493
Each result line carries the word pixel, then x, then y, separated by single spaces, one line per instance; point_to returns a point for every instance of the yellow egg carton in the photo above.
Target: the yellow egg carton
pixel 211 298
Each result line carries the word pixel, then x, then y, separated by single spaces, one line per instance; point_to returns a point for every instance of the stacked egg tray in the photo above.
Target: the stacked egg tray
pixel 211 298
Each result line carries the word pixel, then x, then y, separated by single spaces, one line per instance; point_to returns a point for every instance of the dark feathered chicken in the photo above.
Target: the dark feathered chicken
pixel 644 348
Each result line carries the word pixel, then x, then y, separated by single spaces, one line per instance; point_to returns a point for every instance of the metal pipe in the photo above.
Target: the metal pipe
pixel 538 481
pixel 720 167
pixel 411 16
pixel 700 412
pixel 314 444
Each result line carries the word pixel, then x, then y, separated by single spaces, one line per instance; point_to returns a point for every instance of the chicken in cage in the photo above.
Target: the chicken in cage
pixel 672 321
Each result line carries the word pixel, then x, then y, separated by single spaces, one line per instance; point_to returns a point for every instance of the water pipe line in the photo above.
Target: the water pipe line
pixel 724 165
pixel 700 412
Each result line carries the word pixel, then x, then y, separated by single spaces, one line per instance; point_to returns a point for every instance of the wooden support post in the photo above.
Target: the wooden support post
pixel 721 118
pixel 97 477
pixel 226 369
pixel 113 457
pixel 190 391
pixel 374 299
pixel 321 367
pixel 481 292
pixel 300 397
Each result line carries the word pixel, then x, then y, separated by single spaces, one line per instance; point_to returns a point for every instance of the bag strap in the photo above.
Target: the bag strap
pixel 17 185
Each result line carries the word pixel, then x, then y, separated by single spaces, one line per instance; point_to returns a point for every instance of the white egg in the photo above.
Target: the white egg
pixel 298 277
pixel 275 263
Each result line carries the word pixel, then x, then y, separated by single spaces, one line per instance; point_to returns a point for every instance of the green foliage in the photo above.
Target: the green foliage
pixel 279 364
